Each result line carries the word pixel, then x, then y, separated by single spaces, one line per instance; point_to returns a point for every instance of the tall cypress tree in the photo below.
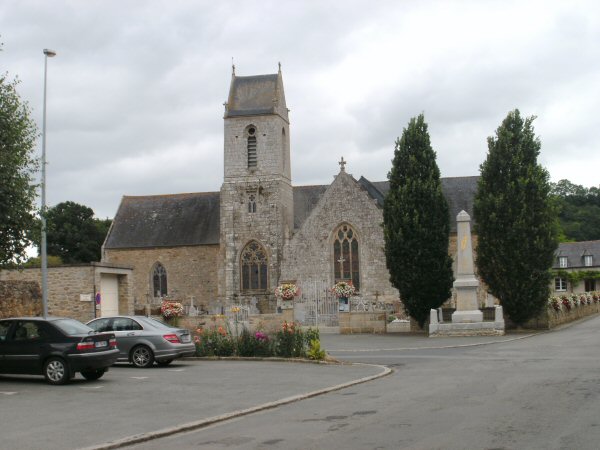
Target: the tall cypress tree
pixel 515 220
pixel 417 225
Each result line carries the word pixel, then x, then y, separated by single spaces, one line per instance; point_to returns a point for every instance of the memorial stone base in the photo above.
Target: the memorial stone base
pixel 465 324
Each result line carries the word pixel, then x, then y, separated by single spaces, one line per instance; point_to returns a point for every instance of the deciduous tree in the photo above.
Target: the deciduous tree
pixel 18 165
pixel 74 234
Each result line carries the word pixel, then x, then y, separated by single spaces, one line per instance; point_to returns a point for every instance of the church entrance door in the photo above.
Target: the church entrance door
pixel 316 306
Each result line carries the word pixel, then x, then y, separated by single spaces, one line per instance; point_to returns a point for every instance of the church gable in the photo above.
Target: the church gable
pixel 347 209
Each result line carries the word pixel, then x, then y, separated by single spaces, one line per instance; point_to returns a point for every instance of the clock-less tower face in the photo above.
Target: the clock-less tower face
pixel 256 195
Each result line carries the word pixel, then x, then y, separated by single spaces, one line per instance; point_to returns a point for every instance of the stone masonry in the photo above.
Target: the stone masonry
pixel 309 255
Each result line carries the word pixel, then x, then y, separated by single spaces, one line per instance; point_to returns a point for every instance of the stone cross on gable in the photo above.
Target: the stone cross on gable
pixel 342 164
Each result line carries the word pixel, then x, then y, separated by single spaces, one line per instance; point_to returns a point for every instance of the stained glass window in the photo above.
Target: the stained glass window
pixel 159 280
pixel 254 267
pixel 346 256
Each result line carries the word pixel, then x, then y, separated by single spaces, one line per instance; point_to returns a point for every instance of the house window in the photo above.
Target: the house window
pixel 562 261
pixel 590 285
pixel 252 157
pixel 560 284
pixel 345 256
pixel 588 260
pixel 252 203
pixel 254 267
pixel 159 280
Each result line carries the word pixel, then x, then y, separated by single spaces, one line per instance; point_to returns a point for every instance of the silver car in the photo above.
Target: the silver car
pixel 142 340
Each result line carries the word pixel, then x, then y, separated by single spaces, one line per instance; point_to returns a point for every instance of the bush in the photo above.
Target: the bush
pixel 249 344
pixel 315 352
pixel 290 341
pixel 215 342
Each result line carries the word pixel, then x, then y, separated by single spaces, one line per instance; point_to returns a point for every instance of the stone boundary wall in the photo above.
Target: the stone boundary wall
pixel 556 318
pixel 20 298
pixel 71 288
pixel 266 322
pixel 363 322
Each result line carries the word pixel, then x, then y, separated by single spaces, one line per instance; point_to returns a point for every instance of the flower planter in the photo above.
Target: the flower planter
pixel 344 304
pixel 287 304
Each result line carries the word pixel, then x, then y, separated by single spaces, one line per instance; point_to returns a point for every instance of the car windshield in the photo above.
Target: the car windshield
pixel 72 326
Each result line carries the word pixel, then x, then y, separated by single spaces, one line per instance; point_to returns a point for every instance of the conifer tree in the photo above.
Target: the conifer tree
pixel 515 221
pixel 417 225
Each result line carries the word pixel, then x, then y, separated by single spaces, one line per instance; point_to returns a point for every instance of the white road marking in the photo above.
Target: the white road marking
pixel 176 370
pixel 8 393
pixel 139 378
pixel 92 387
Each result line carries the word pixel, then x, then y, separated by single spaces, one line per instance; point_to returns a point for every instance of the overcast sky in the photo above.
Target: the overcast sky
pixel 136 91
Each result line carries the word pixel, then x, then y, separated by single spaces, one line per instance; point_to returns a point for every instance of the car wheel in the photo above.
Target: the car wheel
pixel 93 374
pixel 56 371
pixel 164 362
pixel 142 356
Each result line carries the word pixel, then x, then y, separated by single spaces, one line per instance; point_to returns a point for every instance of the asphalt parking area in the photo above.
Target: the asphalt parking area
pixel 129 401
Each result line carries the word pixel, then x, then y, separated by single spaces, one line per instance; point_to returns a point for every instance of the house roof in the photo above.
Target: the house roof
pixel 574 252
pixel 194 218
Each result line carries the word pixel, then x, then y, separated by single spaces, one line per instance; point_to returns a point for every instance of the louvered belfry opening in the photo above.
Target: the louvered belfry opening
pixel 252 158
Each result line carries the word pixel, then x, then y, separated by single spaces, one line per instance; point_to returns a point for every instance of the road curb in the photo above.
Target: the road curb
pixel 190 426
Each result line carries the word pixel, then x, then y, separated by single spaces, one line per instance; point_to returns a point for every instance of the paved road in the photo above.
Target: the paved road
pixel 540 392
pixel 129 401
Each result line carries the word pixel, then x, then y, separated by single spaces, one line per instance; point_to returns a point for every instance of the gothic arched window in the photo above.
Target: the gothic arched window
pixel 345 256
pixel 251 146
pixel 159 280
pixel 254 267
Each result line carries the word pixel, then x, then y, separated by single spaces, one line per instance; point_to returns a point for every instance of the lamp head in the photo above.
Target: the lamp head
pixel 49 53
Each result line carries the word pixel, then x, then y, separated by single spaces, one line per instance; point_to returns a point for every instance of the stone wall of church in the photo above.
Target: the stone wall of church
pixel 269 186
pixel 309 254
pixel 239 226
pixel 191 272
pixel 272 147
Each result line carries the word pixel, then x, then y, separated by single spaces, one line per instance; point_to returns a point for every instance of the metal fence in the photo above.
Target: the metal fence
pixel 316 305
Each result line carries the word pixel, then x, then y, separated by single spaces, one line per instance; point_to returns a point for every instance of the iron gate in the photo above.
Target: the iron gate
pixel 316 305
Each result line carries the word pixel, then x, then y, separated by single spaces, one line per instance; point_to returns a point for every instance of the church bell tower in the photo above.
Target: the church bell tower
pixel 256 212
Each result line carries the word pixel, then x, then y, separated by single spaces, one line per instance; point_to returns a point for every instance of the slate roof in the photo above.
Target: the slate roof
pixel 256 95
pixel 166 221
pixel 305 199
pixel 459 193
pixel 575 251
pixel 194 218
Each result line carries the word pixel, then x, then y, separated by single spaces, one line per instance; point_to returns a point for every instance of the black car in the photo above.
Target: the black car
pixel 55 347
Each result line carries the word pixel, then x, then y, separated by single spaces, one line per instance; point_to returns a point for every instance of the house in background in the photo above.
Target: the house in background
pixel 577 267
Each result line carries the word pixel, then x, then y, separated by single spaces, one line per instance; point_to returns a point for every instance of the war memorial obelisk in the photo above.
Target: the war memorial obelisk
pixel 467 320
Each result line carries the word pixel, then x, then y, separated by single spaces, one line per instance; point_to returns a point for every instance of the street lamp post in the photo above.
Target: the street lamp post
pixel 47 53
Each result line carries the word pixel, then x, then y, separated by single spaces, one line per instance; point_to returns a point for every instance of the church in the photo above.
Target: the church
pixel 235 246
